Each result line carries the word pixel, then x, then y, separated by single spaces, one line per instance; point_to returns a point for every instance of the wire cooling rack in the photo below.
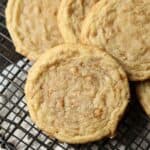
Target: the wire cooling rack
pixel 17 132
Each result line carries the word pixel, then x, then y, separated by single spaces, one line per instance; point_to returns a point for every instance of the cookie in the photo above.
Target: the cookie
pixel 76 93
pixel 122 28
pixel 143 92
pixel 70 18
pixel 33 26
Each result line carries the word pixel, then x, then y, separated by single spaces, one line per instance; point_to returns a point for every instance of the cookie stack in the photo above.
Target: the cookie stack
pixel 85 51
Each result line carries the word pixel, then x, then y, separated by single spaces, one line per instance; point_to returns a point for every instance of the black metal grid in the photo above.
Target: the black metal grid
pixel 17 130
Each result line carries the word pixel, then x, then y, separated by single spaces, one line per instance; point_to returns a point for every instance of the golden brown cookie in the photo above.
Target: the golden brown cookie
pixel 76 93
pixel 143 92
pixel 70 18
pixel 33 25
pixel 122 28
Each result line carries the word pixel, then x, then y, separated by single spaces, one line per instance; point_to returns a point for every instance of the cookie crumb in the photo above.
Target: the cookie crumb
pixel 60 103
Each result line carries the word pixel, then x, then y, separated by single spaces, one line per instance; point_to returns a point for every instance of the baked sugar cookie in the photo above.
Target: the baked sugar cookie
pixel 122 28
pixel 70 18
pixel 33 26
pixel 143 92
pixel 76 93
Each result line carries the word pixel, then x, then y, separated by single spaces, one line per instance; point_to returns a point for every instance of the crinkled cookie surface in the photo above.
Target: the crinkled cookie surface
pixel 33 26
pixel 77 93
pixel 70 18
pixel 122 28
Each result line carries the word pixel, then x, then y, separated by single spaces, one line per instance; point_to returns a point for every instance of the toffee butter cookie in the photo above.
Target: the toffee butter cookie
pixel 33 25
pixel 76 93
pixel 70 18
pixel 122 28
pixel 143 92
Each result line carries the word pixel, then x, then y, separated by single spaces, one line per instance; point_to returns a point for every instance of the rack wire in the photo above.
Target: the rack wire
pixel 17 132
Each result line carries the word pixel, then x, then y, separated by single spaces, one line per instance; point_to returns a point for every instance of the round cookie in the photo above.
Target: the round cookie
pixel 76 93
pixel 122 28
pixel 33 25
pixel 143 92
pixel 70 18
